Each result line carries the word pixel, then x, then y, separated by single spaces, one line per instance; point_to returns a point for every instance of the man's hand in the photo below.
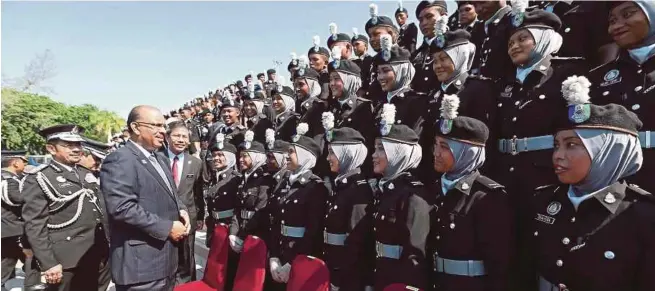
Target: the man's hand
pixel 199 225
pixel 184 216
pixel 178 231
pixel 274 264
pixel 54 274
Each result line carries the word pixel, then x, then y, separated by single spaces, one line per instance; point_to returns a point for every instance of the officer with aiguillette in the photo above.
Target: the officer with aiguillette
pixel 63 217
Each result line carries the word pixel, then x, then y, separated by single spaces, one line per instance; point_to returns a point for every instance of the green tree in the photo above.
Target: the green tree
pixel 24 114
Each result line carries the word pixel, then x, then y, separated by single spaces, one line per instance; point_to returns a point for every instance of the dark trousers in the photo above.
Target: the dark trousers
pixel 164 284
pixel 186 269
pixel 92 271
pixel 11 253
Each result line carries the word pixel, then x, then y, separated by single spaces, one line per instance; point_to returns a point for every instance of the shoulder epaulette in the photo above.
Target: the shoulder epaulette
pixel 362 182
pixel 479 77
pixel 416 183
pixel 562 59
pixel 363 99
pixel 491 184
pixel 603 65
pixel 638 190
pixel 36 169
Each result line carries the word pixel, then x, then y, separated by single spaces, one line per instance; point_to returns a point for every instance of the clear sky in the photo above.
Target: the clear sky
pixel 119 54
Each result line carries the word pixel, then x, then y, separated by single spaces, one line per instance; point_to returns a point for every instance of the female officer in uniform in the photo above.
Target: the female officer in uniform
pixel 250 218
pixel 594 231
pixel 286 118
pixel 401 221
pixel 471 235
pixel 395 73
pixel 629 80
pixel 527 100
pixel 298 227
pixel 347 238
pixel 221 195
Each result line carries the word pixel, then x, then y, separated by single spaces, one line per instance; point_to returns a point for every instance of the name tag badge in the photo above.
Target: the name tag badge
pixel 545 219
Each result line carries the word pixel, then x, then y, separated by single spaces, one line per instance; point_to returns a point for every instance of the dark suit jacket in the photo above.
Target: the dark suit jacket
pixel 189 191
pixel 141 211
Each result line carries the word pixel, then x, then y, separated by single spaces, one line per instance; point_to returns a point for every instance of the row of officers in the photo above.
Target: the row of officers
pixel 590 231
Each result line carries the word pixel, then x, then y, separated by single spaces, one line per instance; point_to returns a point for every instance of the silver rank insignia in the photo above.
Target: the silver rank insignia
pixel 60 179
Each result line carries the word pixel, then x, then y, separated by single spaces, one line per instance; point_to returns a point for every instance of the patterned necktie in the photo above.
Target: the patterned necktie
pixel 174 170
pixel 160 170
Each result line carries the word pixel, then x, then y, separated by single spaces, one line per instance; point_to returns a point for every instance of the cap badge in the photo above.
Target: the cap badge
pixel 517 18
pixel 329 136
pixel 75 130
pixel 579 113
pixel 296 138
pixel 440 41
pixel 554 208
pixel 386 55
pixel 446 126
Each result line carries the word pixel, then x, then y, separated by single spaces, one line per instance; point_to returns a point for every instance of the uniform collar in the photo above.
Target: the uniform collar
pixel 172 155
pixel 58 166
pixel 304 178
pixel 348 178
pixel 349 102
pixel 465 183
pixel 542 67
pixel 457 84
pixel 611 196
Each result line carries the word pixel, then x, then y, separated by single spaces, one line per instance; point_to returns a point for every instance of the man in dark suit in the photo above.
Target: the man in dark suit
pixel 187 174
pixel 146 217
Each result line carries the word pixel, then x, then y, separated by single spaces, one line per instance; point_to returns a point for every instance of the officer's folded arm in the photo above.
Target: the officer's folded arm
pixel 122 203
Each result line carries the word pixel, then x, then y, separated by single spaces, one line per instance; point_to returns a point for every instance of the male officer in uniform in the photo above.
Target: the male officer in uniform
pixel 94 153
pixel 408 33
pixel 192 125
pixel 362 59
pixel 270 84
pixel 465 18
pixel 14 247
pixel 427 12
pixel 490 39
pixel 63 218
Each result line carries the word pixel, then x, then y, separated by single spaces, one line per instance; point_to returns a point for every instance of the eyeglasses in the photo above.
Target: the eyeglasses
pixel 152 125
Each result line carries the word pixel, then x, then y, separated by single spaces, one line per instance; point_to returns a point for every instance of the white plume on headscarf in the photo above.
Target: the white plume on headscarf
pixel 400 158
pixel 306 161
pixel 547 42
pixel 614 156
pixel 404 74
pixel 350 156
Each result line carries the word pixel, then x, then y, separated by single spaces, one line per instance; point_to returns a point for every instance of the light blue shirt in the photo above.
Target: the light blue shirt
pixel 577 200
pixel 447 185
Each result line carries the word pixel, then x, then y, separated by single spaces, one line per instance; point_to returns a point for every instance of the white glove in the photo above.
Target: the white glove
pixel 284 272
pixel 368 288
pixel 274 263
pixel 333 288
pixel 236 243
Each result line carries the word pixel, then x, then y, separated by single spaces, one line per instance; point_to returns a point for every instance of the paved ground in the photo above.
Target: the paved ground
pixel 16 284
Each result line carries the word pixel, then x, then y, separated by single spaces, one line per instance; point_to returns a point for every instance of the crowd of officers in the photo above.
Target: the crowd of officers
pixel 511 150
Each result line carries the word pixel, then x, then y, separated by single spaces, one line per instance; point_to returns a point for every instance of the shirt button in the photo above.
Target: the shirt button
pixel 511 169
pixel 517 103
pixel 282 210
pixel 636 106
pixel 559 263
pixel 514 119
pixel 572 219
pixel 427 68
pixel 606 93
pixel 542 97
pixel 438 237
pixel 638 88
pixel 426 78
pixel 536 233
pixel 500 104
pixel 566 241
pixel 68 238
pixel 567 29
pixel 639 71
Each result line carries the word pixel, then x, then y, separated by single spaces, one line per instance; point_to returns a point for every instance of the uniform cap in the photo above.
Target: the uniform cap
pixel 65 132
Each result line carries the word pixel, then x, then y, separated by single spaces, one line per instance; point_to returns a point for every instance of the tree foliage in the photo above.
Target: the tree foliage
pixel 24 114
